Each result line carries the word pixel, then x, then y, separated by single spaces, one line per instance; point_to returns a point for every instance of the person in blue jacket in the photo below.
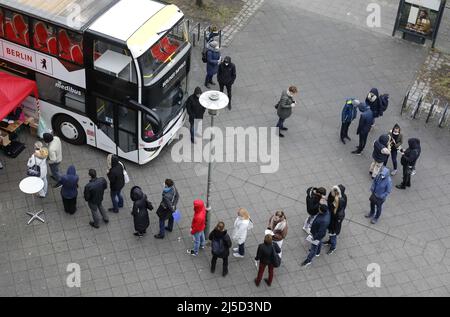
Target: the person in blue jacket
pixel 69 190
pixel 318 232
pixel 366 121
pixel 381 188
pixel 213 60
pixel 348 115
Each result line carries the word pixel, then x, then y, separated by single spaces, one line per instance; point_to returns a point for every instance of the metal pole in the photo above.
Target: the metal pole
pixel 208 189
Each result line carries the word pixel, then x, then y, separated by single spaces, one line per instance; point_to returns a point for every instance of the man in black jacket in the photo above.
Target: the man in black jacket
pixel 93 194
pixel 226 76
pixel 409 158
pixel 313 198
pixel 116 183
pixel 195 112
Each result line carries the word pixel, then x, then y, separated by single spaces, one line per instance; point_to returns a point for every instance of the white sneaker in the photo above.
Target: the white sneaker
pixel 413 172
pixel 393 172
pixel 235 249
pixel 237 255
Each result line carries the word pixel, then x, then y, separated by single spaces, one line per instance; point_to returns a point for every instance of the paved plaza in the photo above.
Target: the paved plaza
pixel 329 59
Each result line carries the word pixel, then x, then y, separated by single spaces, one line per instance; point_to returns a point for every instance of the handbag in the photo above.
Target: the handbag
pixel 126 178
pixel 276 260
pixel 35 170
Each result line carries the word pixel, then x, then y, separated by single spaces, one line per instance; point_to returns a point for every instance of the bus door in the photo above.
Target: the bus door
pixel 117 128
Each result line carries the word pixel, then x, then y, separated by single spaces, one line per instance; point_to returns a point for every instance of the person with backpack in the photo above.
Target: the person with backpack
pixel 220 247
pixel 337 202
pixel 213 59
pixel 116 181
pixel 198 227
pixel 242 224
pixel 396 141
pixel 408 161
pixel 69 190
pixel 348 114
pixel 38 162
pixel 380 154
pixel 279 226
pixel 284 107
pixel 366 121
pixel 226 76
pixel 318 232
pixel 267 255
pixel 314 197
pixel 195 112
pixel 167 207
pixel 381 188
pixel 93 194
pixel 141 205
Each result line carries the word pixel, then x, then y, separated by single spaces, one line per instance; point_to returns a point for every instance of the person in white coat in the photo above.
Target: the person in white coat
pixel 39 158
pixel 242 224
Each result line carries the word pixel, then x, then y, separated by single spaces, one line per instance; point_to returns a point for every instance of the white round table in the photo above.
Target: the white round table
pixel 32 186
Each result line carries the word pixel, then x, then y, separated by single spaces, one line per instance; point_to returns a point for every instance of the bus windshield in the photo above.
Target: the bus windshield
pixel 163 51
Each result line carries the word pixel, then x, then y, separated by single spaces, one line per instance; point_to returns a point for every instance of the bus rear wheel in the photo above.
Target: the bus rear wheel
pixel 69 130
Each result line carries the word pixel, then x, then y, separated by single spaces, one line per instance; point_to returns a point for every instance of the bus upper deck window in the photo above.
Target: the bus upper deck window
pixel 44 38
pixel 16 28
pixel 2 33
pixel 70 46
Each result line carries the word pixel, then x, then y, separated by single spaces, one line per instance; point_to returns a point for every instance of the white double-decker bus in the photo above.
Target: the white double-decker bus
pixel 110 73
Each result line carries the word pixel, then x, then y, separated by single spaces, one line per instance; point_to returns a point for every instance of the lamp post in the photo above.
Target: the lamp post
pixel 213 101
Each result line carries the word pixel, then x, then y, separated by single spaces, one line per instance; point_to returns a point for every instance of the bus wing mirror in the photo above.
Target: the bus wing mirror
pixel 150 115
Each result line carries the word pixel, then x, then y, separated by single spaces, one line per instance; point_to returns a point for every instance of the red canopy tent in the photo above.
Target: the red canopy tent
pixel 14 90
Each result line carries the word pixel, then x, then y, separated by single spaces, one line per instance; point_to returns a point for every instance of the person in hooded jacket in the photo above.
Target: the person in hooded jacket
pixel 140 211
pixel 408 161
pixel 39 158
pixel 419 148
pixel 381 188
pixel 93 194
pixel 366 121
pixel 212 62
pixel 69 190
pixel 396 141
pixel 265 256
pixel 226 76
pixel 195 112
pixel 198 227
pixel 348 114
pixel 337 202
pixel 167 207
pixel 285 106
pixel 220 247
pixel 380 154
pixel 242 224
pixel 116 182
pixel 279 226
pixel 314 197
pixel 373 101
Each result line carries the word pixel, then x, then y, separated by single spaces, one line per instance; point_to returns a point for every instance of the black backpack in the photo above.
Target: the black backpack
pixel 205 55
pixel 218 247
pixel 384 102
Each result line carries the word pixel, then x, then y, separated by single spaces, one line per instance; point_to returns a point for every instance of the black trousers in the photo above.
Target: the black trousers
pixel 222 86
pixel 70 205
pixel 225 263
pixel 344 130
pixel 362 141
pixel 407 175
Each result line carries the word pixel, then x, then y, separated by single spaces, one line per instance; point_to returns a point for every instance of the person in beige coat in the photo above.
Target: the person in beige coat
pixel 279 226
pixel 54 156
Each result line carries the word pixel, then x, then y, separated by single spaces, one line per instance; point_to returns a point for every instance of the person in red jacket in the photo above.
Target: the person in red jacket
pixel 198 227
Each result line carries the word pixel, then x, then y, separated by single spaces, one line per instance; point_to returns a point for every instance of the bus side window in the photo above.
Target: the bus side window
pixel 16 28
pixel 70 46
pixel 44 38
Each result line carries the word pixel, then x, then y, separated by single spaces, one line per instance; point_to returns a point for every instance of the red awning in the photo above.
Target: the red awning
pixel 14 90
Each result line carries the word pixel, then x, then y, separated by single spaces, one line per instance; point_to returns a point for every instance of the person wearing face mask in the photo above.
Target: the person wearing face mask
pixel 278 225
pixel 408 161
pixel 195 112
pixel 226 76
pixel 373 101
pixel 396 145
pixel 213 60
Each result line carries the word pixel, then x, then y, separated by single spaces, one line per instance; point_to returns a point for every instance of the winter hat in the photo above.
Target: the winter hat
pixel 227 60
pixel 48 137
pixel 197 91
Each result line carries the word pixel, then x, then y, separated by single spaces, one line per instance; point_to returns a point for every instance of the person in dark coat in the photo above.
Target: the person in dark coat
pixel 195 112
pixel 285 106
pixel 396 141
pixel 365 124
pixel 69 190
pixel 337 202
pixel 419 148
pixel 220 237
pixel 348 114
pixel 212 62
pixel 313 201
pixel 140 212
pixel 380 154
pixel 265 255
pixel 116 182
pixel 374 103
pixel 318 232
pixel 93 194
pixel 226 76
pixel 166 208
pixel 408 161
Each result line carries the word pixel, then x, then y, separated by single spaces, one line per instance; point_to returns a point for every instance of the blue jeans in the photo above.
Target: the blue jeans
pixel 241 250
pixel 54 169
pixel 376 206
pixel 117 200
pixel 162 226
pixel 333 241
pixel 280 123
pixel 315 250
pixel 199 241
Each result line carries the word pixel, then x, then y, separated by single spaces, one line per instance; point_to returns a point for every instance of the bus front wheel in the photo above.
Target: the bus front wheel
pixel 69 130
